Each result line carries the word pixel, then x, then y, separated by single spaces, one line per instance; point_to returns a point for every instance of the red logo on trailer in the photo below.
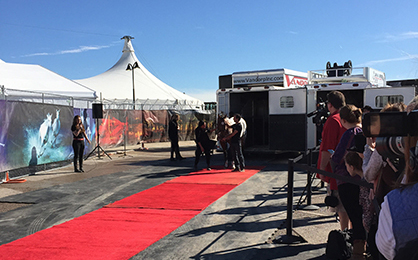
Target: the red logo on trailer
pixel 296 81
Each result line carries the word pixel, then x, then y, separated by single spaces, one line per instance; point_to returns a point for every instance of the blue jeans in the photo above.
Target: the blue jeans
pixel 237 155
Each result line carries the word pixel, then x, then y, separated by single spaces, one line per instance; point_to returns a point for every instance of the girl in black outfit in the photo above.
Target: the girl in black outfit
pixel 203 144
pixel 79 134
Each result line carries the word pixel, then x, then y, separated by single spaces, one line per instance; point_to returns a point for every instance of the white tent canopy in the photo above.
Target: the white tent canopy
pixel 21 81
pixel 119 84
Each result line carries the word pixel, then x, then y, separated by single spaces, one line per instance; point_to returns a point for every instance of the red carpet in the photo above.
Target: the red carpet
pixel 217 176
pixel 126 227
pixel 101 234
pixel 175 196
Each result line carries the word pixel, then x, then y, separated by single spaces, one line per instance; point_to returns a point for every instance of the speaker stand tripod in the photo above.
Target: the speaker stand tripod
pixel 98 147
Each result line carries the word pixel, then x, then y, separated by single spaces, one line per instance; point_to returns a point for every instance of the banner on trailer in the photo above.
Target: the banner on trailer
pixel 41 134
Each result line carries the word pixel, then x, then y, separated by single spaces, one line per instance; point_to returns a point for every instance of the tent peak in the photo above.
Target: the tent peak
pixel 128 45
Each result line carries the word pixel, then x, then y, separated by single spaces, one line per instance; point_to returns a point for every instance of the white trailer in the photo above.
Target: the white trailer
pixel 276 103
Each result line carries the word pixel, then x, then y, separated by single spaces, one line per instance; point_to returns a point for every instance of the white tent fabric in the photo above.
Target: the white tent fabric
pixel 26 80
pixel 116 84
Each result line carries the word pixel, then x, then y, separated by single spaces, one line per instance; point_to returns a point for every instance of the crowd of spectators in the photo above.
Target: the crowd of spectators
pixel 384 219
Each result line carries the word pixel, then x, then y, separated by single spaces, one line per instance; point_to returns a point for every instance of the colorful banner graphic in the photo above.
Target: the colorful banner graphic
pixel 90 126
pixel 37 134
pixel 33 134
pixel 155 125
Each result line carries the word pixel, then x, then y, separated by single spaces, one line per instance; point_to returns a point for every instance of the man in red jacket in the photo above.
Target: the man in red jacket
pixel 331 135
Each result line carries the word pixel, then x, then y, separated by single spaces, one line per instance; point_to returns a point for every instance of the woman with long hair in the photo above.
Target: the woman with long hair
pixel 350 117
pixel 79 134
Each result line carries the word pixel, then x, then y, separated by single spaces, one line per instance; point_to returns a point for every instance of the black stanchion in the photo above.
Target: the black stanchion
pixel 289 238
pixel 310 175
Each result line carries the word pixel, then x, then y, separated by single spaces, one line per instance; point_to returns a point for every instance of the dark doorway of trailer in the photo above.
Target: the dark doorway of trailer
pixel 253 107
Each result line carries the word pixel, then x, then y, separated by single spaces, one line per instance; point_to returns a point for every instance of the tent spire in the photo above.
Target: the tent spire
pixel 128 45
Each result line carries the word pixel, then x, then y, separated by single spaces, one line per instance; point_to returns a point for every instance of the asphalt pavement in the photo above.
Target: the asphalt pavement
pixel 249 222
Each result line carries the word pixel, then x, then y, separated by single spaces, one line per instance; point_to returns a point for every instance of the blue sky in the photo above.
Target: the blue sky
pixel 189 44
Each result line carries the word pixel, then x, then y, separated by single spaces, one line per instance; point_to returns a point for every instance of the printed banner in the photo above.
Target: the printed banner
pixel 112 128
pixel 155 125
pixel 135 127
pixel 4 126
pixel 37 134
pixel 33 134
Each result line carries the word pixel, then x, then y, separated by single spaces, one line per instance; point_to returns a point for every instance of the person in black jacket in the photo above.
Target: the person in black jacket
pixel 203 144
pixel 79 134
pixel 173 134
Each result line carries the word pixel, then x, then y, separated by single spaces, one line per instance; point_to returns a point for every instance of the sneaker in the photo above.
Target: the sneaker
pixel 209 169
pixel 235 170
pixel 233 165
pixel 242 170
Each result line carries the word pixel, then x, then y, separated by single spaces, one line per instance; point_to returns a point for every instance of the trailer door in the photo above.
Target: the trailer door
pixel 377 98
pixel 223 102
pixel 287 114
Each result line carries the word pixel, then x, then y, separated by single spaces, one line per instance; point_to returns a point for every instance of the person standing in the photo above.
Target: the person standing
pixel 331 135
pixel 203 144
pixel 349 193
pixel 243 135
pixel 79 134
pixel 235 144
pixel 173 134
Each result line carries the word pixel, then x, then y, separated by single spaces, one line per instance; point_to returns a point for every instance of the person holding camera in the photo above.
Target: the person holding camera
pixel 374 163
pixel 349 193
pixel 331 135
pixel 397 232
pixel 79 133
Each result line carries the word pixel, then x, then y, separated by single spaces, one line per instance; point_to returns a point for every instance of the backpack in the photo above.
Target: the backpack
pixel 408 252
pixel 339 245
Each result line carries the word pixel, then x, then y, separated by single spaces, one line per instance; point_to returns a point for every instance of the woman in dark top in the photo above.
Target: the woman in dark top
pixel 203 144
pixel 350 117
pixel 173 134
pixel 79 133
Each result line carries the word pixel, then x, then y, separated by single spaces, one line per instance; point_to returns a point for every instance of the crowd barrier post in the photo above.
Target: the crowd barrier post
pixel 289 238
pixel 310 175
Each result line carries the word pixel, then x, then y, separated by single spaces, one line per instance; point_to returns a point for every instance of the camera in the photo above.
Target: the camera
pixel 388 124
pixel 389 128
pixel 320 114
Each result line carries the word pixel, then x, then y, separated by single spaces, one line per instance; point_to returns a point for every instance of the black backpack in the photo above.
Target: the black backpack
pixel 339 245
pixel 408 252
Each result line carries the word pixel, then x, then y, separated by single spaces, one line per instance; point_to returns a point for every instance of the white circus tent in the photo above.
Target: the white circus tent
pixel 128 79
pixel 34 83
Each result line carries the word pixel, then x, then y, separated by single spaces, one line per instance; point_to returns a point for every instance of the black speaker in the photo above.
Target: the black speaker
pixel 98 110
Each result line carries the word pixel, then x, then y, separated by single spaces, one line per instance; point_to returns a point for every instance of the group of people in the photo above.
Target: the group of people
pixel 231 135
pixel 377 231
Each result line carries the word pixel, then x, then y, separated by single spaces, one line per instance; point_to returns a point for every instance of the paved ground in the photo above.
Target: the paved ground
pixel 243 224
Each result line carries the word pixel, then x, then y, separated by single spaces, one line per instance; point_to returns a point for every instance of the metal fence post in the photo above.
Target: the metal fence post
pixel 289 238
